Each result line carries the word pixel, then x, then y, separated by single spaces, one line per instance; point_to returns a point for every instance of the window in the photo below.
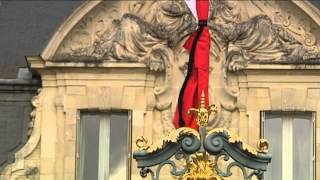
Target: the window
pixel 104 142
pixel 291 138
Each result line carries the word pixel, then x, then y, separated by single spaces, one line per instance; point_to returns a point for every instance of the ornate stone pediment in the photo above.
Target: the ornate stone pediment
pixel 153 32
pixel 135 31
pixel 142 31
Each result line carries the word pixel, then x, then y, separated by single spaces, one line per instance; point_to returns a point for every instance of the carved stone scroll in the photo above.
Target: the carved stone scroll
pixel 20 169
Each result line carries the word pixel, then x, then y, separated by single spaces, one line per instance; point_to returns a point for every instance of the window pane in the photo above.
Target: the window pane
pixel 89 146
pixel 119 146
pixel 273 133
pixel 302 147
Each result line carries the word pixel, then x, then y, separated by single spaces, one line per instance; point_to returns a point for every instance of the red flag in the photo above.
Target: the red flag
pixel 197 78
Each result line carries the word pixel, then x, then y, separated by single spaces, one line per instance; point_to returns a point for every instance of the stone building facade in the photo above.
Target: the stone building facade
pixel 127 57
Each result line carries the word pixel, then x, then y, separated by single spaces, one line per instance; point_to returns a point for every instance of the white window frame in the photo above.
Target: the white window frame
pixel 287 137
pixel 104 115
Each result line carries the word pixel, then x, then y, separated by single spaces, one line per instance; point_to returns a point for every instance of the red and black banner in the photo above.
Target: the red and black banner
pixel 197 77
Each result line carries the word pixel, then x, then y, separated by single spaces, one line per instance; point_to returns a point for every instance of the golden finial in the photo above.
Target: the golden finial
pixel 202 113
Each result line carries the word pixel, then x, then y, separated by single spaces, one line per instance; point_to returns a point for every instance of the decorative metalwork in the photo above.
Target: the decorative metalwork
pixel 201 168
pixel 194 155
pixel 203 113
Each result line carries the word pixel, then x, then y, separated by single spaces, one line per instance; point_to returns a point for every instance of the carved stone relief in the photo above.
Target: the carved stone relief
pixel 259 39
pixel 152 32
pixel 128 35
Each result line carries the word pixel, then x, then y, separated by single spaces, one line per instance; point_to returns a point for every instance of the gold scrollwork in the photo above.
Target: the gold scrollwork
pixel 263 145
pixel 143 144
pixel 200 167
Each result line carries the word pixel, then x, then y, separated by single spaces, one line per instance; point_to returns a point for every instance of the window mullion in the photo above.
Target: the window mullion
pixel 104 141
pixel 287 152
pixel 313 149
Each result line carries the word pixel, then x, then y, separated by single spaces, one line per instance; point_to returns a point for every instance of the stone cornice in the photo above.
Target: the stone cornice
pixel 282 66
pixel 36 62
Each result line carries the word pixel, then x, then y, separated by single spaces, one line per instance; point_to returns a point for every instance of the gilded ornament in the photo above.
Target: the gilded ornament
pixel 142 143
pixel 263 145
pixel 203 113
pixel 200 168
